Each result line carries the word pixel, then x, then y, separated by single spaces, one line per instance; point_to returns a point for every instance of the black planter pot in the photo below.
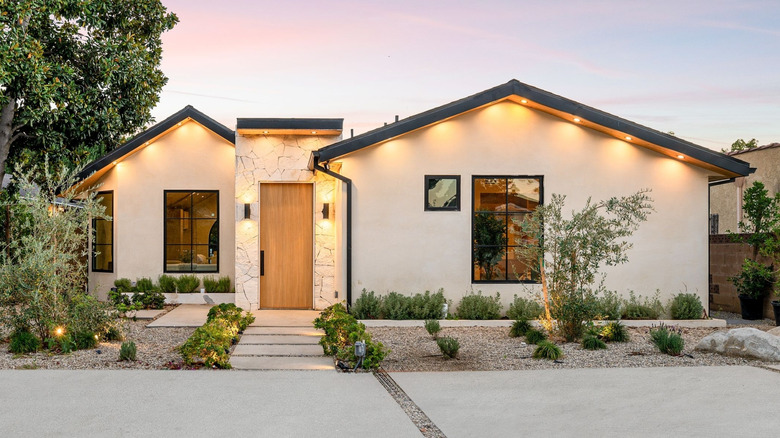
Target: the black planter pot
pixel 776 308
pixel 752 308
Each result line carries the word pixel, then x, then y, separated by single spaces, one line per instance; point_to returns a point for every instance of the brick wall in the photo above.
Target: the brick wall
pixel 726 259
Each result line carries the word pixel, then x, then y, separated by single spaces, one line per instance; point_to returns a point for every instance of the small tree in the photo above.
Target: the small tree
pixel 42 273
pixel 741 145
pixel 489 242
pixel 760 215
pixel 573 250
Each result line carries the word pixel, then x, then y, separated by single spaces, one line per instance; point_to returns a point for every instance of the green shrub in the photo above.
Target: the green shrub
pixel 114 333
pixel 668 340
pixel 637 307
pixel 149 300
pixel 187 284
pixel 23 341
pixel 223 285
pixel 396 306
pixel 375 351
pixel 547 350
pixel 210 344
pixel 427 305
pixel 123 285
pixel 477 306
pixel 367 306
pixel 686 306
pixel 523 308
pixel 118 298
pixel 145 285
pixel 433 327
pixel 608 306
pixel 754 280
pixel 615 331
pixel 167 284
pixel 519 328
pixel 217 286
pixel 85 340
pixel 232 314
pixel 590 342
pixel 534 336
pixel 127 351
pixel 449 347
pixel 342 330
pixel 88 315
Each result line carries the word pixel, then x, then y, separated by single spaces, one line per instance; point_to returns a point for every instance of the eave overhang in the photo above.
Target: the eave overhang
pixel 281 126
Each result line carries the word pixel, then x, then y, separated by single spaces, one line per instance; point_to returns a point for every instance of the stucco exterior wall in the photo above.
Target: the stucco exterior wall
pixel 189 157
pixel 397 246
pixel 724 197
pixel 281 158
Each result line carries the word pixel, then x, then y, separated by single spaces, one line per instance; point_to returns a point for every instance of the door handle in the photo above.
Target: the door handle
pixel 262 263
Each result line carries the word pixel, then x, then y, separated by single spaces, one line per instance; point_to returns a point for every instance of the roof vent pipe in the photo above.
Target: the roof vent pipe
pixel 396 118
pixel 351 132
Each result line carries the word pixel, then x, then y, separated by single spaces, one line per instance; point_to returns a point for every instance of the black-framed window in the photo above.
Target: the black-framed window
pixel 103 237
pixel 191 231
pixel 442 192
pixel 500 204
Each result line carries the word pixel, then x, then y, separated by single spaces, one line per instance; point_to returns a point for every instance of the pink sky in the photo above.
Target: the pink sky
pixel 709 71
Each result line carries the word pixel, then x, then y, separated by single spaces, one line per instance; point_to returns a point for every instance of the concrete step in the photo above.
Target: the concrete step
pixel 301 331
pixel 277 350
pixel 279 339
pixel 281 363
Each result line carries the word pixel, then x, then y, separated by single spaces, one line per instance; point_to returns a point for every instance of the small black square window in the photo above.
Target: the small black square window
pixel 442 192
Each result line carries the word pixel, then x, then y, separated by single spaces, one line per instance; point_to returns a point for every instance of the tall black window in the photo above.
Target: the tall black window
pixel 500 204
pixel 191 231
pixel 103 239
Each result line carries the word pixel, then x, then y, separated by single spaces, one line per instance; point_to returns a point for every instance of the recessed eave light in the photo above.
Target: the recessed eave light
pixel 628 137
pixel 577 120
pixel 681 157
pixel 523 101
pixel 314 132
pixel 265 132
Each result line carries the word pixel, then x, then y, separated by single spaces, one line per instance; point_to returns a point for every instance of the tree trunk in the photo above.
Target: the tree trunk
pixel 6 133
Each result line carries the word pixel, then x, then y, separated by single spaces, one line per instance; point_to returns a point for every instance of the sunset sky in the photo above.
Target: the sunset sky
pixel 709 71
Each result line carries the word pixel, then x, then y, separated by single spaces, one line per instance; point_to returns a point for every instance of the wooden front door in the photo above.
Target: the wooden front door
pixel 286 245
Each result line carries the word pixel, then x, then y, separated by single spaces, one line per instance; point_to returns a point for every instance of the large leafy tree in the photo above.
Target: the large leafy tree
pixel 76 76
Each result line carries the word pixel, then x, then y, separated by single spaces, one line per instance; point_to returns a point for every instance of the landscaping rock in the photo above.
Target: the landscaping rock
pixel 743 342
pixel 775 331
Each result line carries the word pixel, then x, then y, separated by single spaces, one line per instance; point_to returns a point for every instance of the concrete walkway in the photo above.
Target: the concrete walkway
pixel 691 402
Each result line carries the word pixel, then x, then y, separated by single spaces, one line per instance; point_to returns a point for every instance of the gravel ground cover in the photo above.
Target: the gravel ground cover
pixel 491 348
pixel 156 349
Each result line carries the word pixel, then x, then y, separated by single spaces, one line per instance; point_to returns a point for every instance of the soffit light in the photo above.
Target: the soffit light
pixel 577 120
pixel 523 101
pixel 681 156
pixel 314 132
pixel 628 137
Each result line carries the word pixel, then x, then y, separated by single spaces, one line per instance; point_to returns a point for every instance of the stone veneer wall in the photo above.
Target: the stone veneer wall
pixel 274 158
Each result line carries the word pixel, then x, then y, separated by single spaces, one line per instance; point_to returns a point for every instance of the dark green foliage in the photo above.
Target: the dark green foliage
pixel 167 284
pixel 741 145
pixel 608 306
pixel 449 347
pixel 342 330
pixel 149 300
pixel 489 243
pixel 127 351
pixel 433 327
pixel 534 336
pixel 519 328
pixel 23 341
pixel 367 306
pixel 427 305
pixel 231 313
pixel 114 333
pixel 614 331
pixel 396 306
pixel 87 314
pixel 547 350
pixel 590 342
pixel 117 298
pixel 210 344
pixel 187 284
pixel 760 217
pixel 686 306
pixel 477 306
pixel 61 344
pixel 217 286
pixel 145 285
pixel 638 307
pixel 123 285
pixel 85 340
pixel 523 308
pixel 668 340
pixel 754 280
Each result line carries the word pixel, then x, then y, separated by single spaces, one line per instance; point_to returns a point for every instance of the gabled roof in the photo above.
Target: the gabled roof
pixel 552 104
pixel 156 131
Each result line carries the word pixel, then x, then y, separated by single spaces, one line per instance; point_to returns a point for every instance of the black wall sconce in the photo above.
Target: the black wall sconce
pixel 247 210
pixel 326 210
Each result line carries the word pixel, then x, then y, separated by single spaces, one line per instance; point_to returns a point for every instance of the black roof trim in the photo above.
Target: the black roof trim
pixel 542 97
pixel 134 143
pixel 322 124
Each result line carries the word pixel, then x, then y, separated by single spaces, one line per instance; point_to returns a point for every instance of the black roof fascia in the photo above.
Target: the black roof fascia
pixel 321 124
pixel 129 146
pixel 543 98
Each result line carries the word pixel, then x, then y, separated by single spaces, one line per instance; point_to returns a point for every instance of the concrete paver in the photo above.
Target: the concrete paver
pixel 145 313
pixel 615 402
pixel 279 339
pixel 277 350
pixel 284 318
pixel 142 403
pixel 303 331
pixel 320 363
pixel 185 315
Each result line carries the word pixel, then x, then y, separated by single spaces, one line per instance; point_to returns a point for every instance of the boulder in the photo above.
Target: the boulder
pixel 743 342
pixel 775 331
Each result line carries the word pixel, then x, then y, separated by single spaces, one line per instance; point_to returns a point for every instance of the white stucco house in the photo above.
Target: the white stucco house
pixel 300 217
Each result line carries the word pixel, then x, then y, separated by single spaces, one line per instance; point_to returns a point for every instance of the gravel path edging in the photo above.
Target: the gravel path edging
pixel 427 427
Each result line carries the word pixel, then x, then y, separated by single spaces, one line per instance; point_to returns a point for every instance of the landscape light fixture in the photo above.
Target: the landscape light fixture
pixel 247 210
pixel 326 210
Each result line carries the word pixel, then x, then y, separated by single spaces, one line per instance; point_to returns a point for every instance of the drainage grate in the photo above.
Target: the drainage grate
pixel 418 417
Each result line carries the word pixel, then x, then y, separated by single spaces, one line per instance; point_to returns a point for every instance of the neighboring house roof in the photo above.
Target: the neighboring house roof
pixel 553 104
pixel 759 148
pixel 156 131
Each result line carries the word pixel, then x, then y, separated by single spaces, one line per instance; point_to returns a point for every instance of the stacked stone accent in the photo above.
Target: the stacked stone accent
pixel 275 158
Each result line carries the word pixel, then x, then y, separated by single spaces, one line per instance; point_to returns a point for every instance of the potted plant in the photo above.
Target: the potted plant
pixel 753 284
